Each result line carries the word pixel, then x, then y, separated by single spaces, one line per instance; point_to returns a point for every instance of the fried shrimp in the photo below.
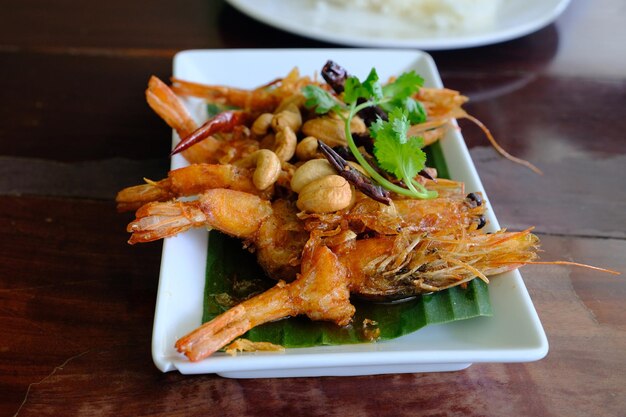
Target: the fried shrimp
pixel 270 229
pixel 189 181
pixel 262 99
pixel 320 292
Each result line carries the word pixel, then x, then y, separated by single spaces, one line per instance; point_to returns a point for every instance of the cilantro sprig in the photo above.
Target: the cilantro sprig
pixel 395 152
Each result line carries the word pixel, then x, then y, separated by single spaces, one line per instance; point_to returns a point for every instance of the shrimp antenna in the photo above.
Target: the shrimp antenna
pixel 499 148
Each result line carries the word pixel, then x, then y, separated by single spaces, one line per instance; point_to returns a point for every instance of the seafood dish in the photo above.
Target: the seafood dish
pixel 326 182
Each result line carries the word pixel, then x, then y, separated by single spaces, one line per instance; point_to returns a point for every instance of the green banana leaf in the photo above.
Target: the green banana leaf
pixel 233 275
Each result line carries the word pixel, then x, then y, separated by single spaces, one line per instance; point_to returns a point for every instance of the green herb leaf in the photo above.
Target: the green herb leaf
pixel 395 152
pixel 370 89
pixel 321 100
pixel 399 94
pixel 404 86
pixel 414 109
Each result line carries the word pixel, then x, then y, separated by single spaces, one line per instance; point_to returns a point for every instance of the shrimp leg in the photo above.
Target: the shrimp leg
pixel 320 292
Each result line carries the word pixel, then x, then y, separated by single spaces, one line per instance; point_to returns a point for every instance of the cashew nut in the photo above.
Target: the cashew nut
pixel 285 144
pixel 357 125
pixel 330 131
pixel 288 117
pixel 262 124
pixel 309 172
pixel 267 165
pixel 326 194
pixel 307 148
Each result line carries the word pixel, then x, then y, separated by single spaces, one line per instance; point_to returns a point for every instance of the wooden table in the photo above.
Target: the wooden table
pixel 77 302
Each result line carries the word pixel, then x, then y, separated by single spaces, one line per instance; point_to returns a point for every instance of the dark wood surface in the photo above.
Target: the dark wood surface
pixel 77 303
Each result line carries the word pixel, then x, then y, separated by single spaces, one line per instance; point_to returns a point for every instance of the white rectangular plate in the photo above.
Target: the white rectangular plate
pixel 513 334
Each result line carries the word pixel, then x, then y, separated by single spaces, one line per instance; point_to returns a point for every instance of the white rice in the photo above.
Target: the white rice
pixel 434 14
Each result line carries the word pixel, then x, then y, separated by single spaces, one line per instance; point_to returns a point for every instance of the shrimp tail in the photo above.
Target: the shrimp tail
pixel 132 198
pixel 213 335
pixel 160 220
pixel 168 106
